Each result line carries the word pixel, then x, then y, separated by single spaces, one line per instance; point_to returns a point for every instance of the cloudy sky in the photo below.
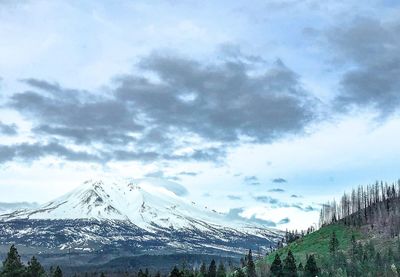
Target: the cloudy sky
pixel 261 109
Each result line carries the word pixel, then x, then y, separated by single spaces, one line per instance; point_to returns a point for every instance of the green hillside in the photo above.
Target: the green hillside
pixel 373 253
pixel 317 243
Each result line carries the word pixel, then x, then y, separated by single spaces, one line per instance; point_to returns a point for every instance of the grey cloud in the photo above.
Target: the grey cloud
pixel 161 175
pixel 276 190
pixel 276 203
pixel 31 152
pixel 43 85
pixel 188 173
pixel 207 154
pixel 279 180
pixel 310 209
pixel 304 209
pixel 144 156
pixel 371 49
pixel 234 197
pixel 219 103
pixel 295 196
pixel 251 180
pixel 284 220
pixel 106 121
pixel 227 101
pixel 8 129
pixel 234 214
pixel 267 199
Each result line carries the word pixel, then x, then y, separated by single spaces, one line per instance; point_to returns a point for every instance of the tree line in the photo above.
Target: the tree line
pixel 288 267
pixel 376 204
pixel 14 267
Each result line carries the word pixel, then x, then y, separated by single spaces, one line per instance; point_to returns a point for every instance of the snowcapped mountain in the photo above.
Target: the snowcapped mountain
pixel 133 217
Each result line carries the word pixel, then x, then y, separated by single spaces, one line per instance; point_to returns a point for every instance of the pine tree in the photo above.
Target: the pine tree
pixel 353 247
pixel 221 270
pixel 102 274
pixel 311 269
pixel 333 244
pixel 158 274
pixel 300 267
pixel 378 261
pixel 35 269
pixel 175 272
pixel 212 269
pixel 57 272
pixel 289 268
pixel 203 269
pixel 12 265
pixel 276 267
pixel 251 267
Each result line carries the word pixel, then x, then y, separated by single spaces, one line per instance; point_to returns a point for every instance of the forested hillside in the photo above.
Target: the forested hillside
pixel 374 206
pixel 358 236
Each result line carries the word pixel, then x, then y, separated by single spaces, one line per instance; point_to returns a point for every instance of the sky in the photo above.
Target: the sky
pixel 260 109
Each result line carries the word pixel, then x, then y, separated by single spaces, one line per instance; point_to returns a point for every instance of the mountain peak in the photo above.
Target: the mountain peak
pixel 135 212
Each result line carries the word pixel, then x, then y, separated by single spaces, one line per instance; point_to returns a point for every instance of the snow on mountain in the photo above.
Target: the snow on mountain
pixel 131 217
pixel 147 203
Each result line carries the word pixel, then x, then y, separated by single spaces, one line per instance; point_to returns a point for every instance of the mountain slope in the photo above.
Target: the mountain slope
pixel 130 218
pixel 143 203
pixel 317 243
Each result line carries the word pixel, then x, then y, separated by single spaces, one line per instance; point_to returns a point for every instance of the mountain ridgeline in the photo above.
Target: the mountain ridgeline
pixel 127 223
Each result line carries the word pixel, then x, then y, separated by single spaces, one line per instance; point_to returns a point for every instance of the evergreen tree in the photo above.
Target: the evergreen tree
pixel 203 270
pixel 300 269
pixel 353 246
pixel 57 272
pixel 175 272
pixel 289 267
pixel 158 274
pixel 311 269
pixel 102 274
pixel 221 270
pixel 251 267
pixel 276 267
pixel 35 269
pixel 378 262
pixel 12 265
pixel 212 269
pixel 333 244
